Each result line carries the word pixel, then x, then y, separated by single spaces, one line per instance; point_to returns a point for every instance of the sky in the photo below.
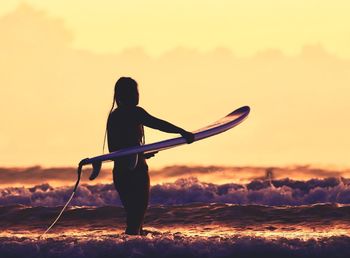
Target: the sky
pixel 243 26
pixel 195 61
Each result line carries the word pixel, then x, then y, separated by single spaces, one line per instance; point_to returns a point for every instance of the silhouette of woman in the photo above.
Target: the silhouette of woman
pixel 125 129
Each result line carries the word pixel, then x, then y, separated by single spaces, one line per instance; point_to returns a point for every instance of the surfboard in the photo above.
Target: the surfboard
pixel 229 121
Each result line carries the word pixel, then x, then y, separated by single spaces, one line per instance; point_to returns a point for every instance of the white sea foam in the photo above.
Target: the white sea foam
pixel 190 190
pixel 173 245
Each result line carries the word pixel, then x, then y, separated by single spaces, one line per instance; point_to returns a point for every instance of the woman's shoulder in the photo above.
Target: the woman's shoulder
pixel 113 115
pixel 139 109
pixel 140 112
pixel 122 112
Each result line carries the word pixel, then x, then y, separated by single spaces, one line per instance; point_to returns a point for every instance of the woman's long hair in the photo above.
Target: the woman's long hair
pixel 125 93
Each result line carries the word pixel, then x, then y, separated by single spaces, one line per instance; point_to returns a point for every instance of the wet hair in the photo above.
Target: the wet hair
pixel 126 93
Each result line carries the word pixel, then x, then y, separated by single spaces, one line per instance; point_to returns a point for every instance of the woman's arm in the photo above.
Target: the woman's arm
pixel 156 123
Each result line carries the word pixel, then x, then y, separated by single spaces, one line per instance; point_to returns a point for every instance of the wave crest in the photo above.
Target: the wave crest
pixel 190 190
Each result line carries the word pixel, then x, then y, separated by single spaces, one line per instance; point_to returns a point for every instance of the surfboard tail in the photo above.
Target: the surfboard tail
pixel 96 168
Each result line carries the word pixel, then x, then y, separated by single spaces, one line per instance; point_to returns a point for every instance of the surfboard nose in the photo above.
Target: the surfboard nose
pixel 244 109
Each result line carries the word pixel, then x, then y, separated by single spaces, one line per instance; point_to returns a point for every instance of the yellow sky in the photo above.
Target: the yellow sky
pixel 243 26
pixel 195 61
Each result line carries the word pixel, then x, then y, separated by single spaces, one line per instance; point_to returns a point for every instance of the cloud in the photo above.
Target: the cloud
pixel 55 98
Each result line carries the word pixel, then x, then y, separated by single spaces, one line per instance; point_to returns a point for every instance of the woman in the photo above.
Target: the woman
pixel 125 129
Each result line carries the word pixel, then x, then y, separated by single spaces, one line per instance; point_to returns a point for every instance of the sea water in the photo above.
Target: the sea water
pixel 186 218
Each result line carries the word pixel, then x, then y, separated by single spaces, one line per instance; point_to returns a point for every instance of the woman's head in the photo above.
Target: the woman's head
pixel 126 92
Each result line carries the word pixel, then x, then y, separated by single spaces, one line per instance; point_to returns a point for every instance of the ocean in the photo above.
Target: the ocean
pixel 186 218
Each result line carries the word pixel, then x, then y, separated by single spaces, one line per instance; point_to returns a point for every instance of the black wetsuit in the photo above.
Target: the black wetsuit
pixel 125 129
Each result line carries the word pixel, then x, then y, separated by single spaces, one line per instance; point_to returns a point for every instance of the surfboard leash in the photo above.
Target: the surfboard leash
pixel 79 170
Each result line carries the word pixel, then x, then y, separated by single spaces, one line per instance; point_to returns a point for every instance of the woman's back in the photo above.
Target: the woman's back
pixel 124 128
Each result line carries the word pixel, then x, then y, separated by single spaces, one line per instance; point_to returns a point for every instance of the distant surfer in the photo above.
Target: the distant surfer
pixel 125 129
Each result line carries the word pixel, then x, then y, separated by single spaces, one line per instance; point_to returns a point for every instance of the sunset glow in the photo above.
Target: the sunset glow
pixel 276 183
pixel 59 68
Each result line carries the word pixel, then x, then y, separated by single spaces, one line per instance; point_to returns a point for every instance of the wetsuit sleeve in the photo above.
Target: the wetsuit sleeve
pixel 156 123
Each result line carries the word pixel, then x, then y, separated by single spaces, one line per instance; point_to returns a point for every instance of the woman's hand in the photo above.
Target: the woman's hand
pixel 150 154
pixel 188 136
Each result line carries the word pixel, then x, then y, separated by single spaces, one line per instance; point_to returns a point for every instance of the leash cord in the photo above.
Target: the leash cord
pixel 67 203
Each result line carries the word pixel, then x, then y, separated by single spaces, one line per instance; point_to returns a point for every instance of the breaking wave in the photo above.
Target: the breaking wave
pixel 191 190
pixel 172 245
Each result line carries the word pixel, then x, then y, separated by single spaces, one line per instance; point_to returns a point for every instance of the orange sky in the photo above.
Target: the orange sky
pixel 58 70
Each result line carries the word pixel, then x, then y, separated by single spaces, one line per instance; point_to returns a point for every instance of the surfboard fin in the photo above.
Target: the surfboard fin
pixel 96 168
pixel 132 161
